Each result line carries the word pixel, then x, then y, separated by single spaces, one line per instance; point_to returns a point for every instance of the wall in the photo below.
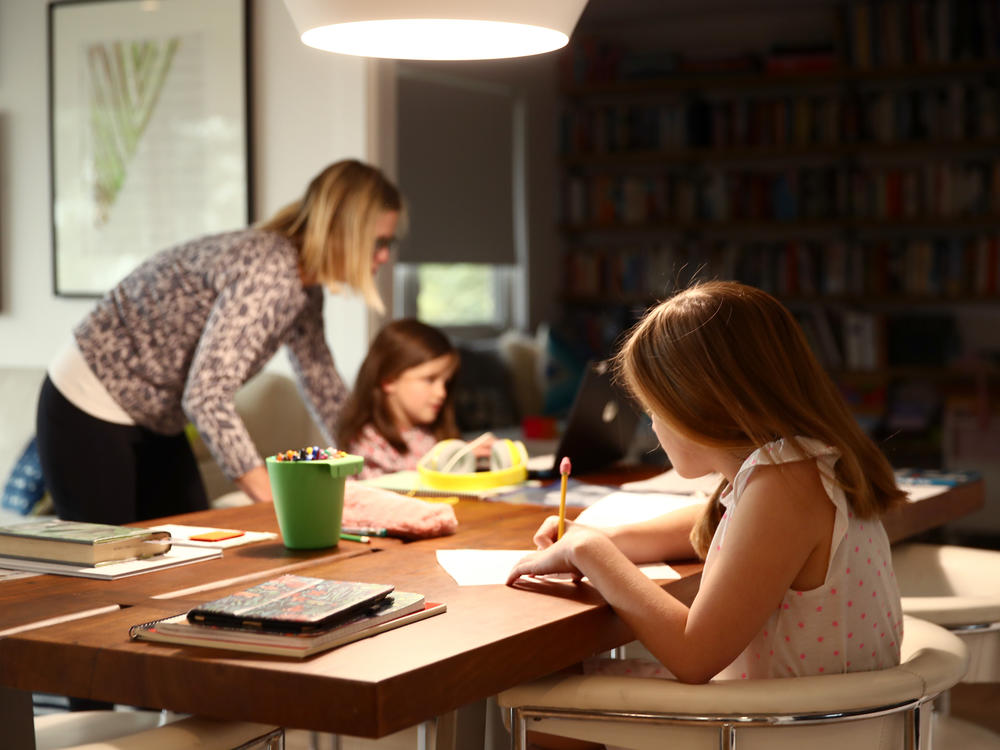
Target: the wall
pixel 533 80
pixel 309 108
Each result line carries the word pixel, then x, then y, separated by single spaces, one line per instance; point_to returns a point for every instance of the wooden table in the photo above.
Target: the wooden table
pixel 492 637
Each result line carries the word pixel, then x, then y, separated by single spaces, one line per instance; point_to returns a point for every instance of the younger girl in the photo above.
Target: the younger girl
pixel 798 576
pixel 401 404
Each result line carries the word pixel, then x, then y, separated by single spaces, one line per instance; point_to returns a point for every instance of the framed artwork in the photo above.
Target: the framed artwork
pixel 149 103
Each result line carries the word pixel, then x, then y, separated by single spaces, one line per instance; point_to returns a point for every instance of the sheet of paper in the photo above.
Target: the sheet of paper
pixel 631 507
pixel 181 534
pixel 672 482
pixel 916 492
pixel 481 567
pixel 578 494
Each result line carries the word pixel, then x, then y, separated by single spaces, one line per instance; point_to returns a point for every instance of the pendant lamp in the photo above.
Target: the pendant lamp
pixel 436 29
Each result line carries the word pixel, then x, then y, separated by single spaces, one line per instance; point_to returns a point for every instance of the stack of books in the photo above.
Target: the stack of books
pixel 294 616
pixel 90 550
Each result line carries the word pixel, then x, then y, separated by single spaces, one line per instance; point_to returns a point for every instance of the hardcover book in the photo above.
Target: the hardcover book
pixel 397 609
pixel 79 542
pixel 290 603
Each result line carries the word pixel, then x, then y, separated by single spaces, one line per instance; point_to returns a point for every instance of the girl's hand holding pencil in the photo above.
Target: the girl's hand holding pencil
pixel 554 556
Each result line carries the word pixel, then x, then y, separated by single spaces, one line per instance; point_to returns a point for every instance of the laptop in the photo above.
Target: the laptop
pixel 600 427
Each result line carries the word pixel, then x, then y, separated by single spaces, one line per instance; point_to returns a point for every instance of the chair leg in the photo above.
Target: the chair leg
pixel 727 737
pixel 445 731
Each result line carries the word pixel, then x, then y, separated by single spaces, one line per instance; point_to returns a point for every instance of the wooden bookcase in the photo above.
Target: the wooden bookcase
pixel 859 183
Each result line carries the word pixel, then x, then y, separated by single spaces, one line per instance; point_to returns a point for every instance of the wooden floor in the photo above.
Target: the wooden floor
pixel 979 703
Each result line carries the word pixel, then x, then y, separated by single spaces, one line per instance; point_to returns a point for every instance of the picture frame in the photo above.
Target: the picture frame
pixel 149 132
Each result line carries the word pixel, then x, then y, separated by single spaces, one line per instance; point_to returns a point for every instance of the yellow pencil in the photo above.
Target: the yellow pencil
pixel 564 469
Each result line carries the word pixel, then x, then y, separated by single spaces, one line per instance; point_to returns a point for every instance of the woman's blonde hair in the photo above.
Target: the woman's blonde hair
pixel 333 225
pixel 727 366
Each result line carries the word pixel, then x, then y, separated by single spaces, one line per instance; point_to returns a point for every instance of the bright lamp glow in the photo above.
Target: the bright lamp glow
pixel 435 39
pixel 436 29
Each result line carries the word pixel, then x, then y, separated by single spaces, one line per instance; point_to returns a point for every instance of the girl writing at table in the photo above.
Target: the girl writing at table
pixel 798 576
pixel 401 404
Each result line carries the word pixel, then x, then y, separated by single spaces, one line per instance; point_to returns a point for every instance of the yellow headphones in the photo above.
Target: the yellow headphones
pixel 451 465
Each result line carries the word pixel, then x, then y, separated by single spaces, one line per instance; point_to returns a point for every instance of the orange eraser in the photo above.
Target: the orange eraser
pixel 216 536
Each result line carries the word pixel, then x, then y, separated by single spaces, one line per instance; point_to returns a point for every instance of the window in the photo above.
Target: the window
pixel 472 297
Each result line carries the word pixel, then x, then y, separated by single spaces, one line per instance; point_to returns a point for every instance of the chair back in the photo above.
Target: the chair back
pixel 959 589
pixel 881 710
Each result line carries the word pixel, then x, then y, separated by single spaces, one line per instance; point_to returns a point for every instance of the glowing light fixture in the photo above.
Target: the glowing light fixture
pixel 436 29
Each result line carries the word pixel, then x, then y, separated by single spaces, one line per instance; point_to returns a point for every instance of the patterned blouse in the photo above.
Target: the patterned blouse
pixel 177 337
pixel 381 458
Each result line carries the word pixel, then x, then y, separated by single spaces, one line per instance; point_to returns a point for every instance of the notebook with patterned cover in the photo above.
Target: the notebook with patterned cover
pixel 290 603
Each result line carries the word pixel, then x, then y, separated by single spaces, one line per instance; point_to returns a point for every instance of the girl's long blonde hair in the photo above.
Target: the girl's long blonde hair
pixel 728 366
pixel 333 226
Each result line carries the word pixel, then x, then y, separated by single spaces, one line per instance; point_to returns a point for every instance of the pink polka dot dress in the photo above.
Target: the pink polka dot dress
pixel 853 622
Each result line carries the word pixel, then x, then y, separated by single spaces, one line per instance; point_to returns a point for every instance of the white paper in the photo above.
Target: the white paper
pixel 178 555
pixel 181 534
pixel 631 507
pixel 578 494
pixel 481 567
pixel 672 482
pixel 916 492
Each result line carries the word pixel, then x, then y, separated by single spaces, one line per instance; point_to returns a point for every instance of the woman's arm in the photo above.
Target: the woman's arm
pixel 256 484
pixel 322 388
pixel 785 520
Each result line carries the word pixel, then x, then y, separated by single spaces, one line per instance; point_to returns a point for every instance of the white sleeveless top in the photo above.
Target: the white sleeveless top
pixel 853 622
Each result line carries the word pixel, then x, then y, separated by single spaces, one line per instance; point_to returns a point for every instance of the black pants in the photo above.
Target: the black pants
pixel 109 473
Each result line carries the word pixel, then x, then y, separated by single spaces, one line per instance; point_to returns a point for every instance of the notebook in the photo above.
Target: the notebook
pixel 600 426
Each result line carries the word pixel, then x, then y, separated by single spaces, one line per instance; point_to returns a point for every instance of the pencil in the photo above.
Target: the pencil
pixel 564 469
pixel 365 531
pixel 354 537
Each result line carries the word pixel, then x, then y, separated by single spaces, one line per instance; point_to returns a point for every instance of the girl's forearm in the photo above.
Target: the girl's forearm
pixel 666 537
pixel 656 618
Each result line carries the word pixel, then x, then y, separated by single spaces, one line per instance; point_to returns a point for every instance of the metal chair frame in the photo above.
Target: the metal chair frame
pixel 727 724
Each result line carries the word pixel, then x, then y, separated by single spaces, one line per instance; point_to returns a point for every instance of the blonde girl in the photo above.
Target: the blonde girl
pixel 798 576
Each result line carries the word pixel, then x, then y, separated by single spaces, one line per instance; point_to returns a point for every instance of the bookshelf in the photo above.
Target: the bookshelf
pixel 858 181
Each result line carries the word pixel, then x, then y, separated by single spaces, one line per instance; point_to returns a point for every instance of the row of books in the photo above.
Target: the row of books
pixel 909 115
pixel 892 33
pixel 864 35
pixel 955 268
pixel 843 338
pixel 941 189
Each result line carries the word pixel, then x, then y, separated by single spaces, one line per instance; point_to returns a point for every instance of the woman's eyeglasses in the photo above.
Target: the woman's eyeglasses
pixel 385 243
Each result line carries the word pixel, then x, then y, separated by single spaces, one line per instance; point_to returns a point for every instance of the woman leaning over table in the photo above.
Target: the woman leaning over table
pixel 175 339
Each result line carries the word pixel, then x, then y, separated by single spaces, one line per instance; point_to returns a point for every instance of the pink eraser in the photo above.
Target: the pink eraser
pixel 564 465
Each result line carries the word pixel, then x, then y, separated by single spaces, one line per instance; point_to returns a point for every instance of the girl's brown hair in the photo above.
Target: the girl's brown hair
pixel 333 225
pixel 727 366
pixel 400 345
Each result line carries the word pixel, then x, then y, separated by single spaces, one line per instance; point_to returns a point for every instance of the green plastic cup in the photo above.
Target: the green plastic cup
pixel 309 499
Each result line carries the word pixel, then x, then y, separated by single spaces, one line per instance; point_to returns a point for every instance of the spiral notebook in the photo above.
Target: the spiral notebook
pixel 395 610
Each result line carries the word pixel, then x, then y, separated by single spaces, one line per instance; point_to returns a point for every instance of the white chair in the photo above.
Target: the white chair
pixel 959 589
pixel 861 710
pixel 150 730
